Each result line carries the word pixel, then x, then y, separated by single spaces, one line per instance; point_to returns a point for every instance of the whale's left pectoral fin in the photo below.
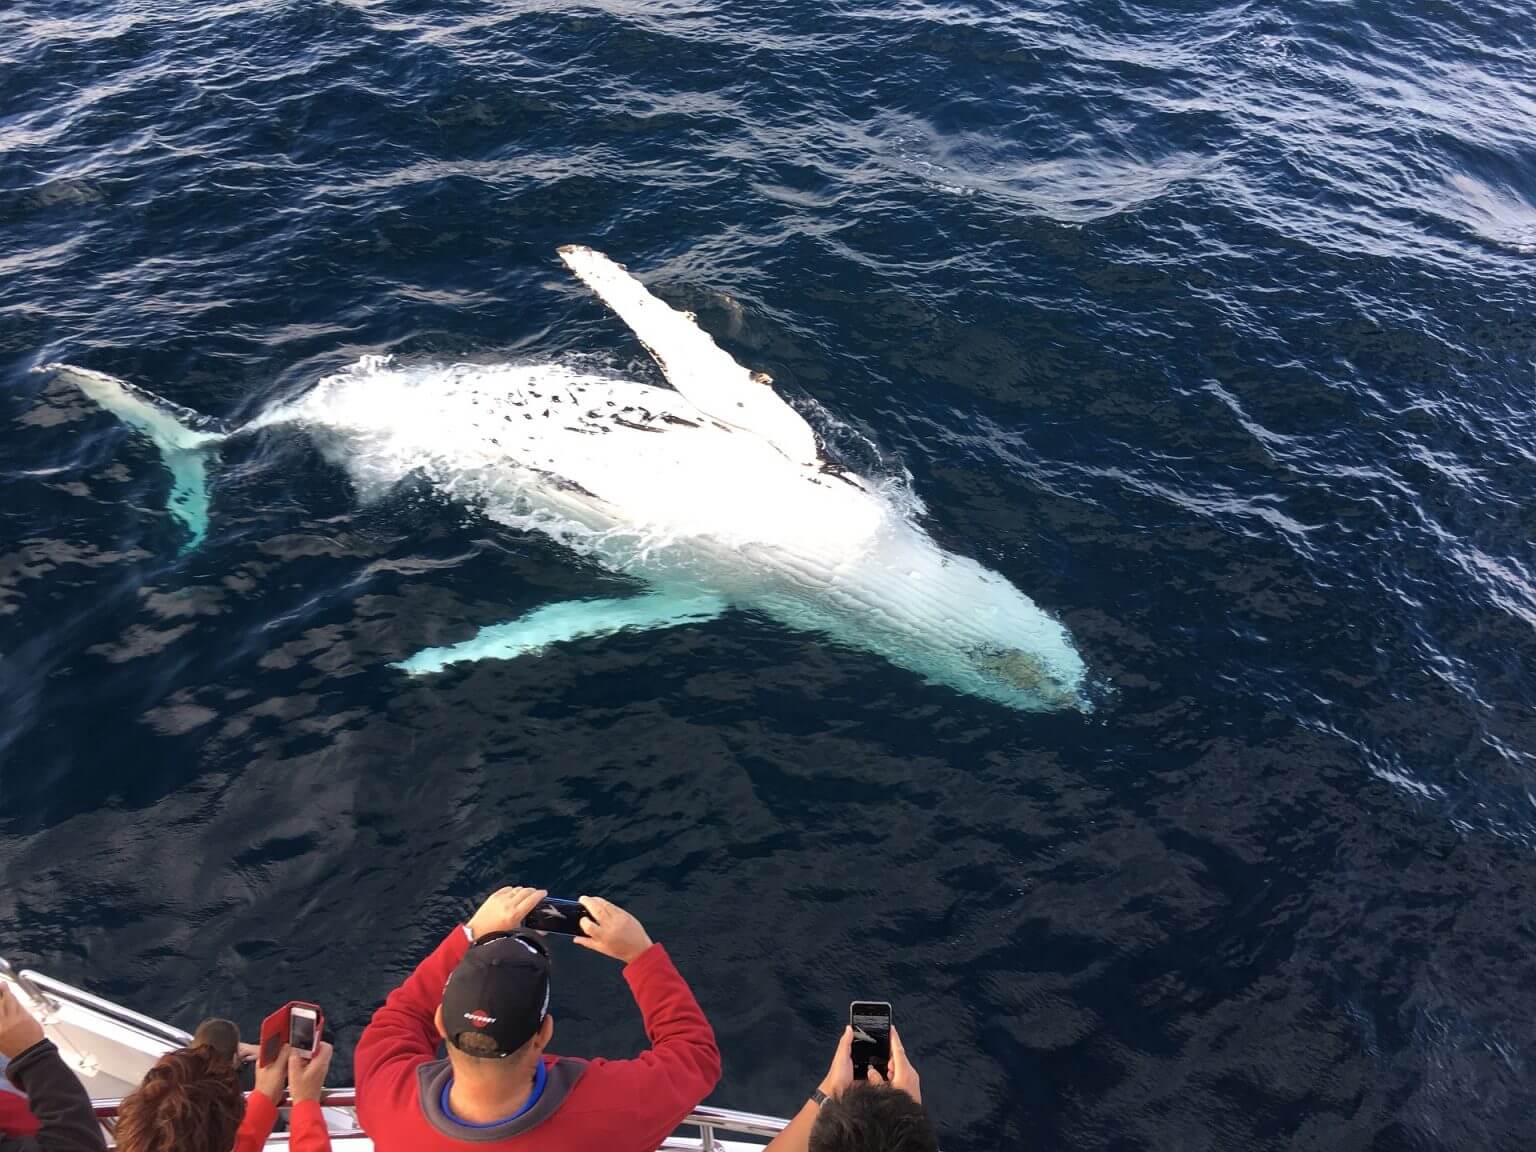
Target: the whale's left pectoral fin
pixel 570 620
pixel 693 363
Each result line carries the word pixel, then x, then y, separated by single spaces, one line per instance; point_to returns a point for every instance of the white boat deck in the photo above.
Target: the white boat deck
pixel 111 1048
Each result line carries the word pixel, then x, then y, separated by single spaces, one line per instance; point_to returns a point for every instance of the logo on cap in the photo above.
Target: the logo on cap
pixel 480 1018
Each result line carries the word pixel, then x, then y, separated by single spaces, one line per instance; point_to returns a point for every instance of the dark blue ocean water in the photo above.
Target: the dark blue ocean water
pixel 1209 325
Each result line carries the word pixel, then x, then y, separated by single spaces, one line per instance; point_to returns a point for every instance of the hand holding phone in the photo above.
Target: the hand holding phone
pixel 297 1024
pixel 306 1078
pixel 839 1077
pixel 272 1079
pixel 904 1077
pixel 553 914
pixel 612 931
pixel 503 911
pixel 871 1024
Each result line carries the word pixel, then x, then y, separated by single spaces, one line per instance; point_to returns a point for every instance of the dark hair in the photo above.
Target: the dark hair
pixel 478 1045
pixel 223 1036
pixel 482 1048
pixel 190 1101
pixel 873 1118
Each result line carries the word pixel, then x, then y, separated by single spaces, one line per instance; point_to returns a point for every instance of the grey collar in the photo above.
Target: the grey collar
pixel 560 1078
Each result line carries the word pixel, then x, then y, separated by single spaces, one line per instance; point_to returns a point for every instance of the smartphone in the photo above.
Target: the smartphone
pixel 297 1024
pixel 304 1029
pixel 553 914
pixel 871 1021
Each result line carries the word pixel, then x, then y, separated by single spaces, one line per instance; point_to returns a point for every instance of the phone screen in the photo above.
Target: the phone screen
pixel 301 1031
pixel 555 915
pixel 871 1020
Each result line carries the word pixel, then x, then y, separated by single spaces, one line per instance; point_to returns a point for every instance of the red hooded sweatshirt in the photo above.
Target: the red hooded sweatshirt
pixel 586 1105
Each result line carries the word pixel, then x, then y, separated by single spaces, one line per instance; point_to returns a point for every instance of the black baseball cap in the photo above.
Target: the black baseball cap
pixel 499 991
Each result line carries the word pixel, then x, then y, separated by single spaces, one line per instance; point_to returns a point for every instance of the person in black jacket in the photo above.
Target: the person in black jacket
pixel 67 1122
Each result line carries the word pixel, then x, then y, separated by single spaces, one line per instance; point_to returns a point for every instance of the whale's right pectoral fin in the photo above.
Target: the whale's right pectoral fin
pixel 694 364
pixel 570 620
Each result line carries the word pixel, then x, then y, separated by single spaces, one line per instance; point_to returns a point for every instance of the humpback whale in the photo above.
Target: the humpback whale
pixel 712 494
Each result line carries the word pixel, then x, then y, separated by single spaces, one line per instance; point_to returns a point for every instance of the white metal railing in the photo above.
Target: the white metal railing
pixel 46 991
pixel 25 981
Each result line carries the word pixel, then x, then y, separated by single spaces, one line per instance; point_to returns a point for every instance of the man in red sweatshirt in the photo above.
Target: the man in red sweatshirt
pixel 485 991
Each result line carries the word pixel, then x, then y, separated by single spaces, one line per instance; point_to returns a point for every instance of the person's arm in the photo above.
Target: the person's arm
pixel 16 1119
pixel 797 1137
pixel 66 1120
pixel 306 1123
pixel 403 1033
pixel 261 1105
pixel 683 1064
pixel 257 1123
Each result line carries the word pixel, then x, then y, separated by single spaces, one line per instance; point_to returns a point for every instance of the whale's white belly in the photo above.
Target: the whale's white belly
pixel 549 446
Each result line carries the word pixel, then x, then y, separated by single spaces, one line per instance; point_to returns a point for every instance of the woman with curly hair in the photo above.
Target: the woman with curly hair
pixel 190 1101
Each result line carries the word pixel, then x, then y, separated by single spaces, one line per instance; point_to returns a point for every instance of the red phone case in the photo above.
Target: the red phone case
pixel 274 1034
pixel 274 1030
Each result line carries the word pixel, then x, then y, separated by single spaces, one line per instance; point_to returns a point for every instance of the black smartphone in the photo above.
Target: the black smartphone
pixel 553 914
pixel 871 1021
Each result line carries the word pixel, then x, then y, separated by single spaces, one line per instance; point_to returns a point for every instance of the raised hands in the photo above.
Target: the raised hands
pixel 611 930
pixel 272 1078
pixel 504 911
pixel 306 1077
pixel 839 1077
pixel 904 1077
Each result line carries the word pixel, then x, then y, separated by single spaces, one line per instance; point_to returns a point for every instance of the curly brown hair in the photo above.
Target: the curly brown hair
pixel 190 1101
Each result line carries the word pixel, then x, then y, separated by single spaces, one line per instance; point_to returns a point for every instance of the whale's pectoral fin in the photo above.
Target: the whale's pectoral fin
pixel 570 620
pixel 694 364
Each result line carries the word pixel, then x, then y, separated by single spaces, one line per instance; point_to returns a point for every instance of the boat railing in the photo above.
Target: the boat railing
pixel 711 1122
pixel 27 983
pixel 45 993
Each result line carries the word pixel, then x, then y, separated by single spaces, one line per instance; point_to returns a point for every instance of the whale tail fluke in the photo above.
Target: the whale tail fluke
pixel 186 439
